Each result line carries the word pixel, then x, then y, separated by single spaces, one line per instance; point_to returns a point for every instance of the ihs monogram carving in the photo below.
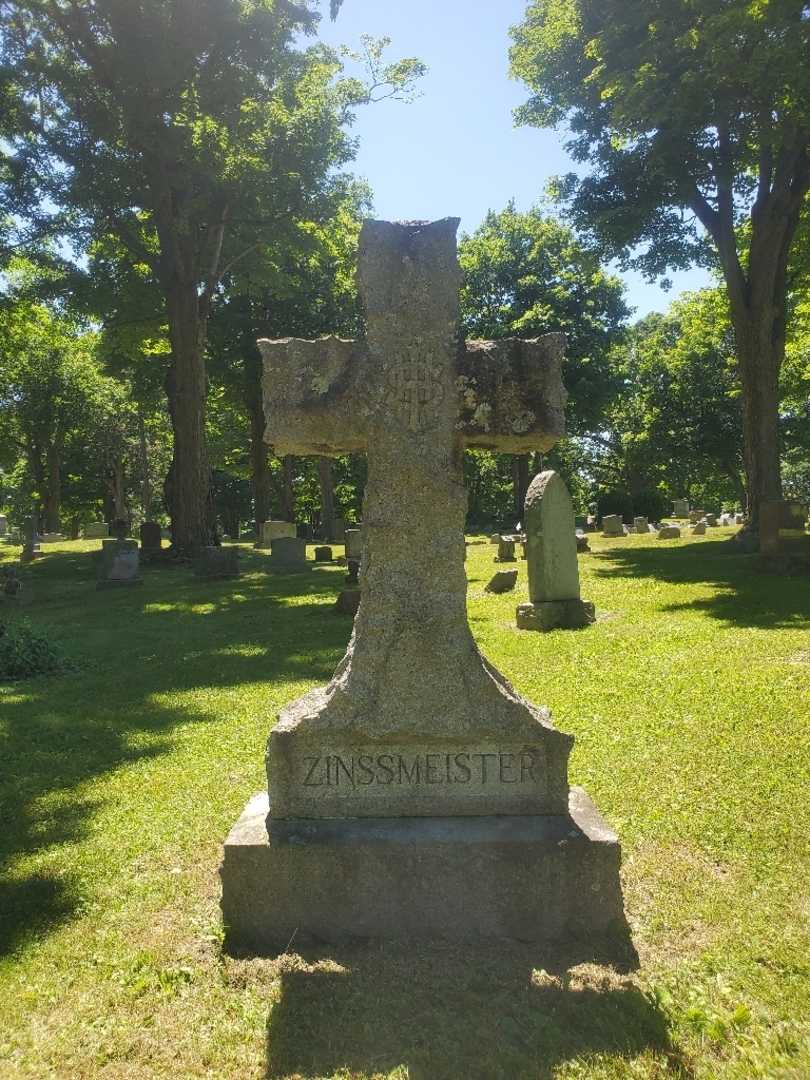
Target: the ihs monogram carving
pixel 415 389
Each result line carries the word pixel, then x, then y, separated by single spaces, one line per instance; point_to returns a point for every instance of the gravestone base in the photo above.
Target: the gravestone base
pixel 555 615
pixel 526 878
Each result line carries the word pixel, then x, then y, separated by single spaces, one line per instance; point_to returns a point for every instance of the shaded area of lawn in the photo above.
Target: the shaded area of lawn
pixel 451 1013
pixel 133 648
pixel 744 596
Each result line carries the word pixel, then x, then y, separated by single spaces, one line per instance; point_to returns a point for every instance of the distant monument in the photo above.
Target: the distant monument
pixel 551 559
pixel 417 795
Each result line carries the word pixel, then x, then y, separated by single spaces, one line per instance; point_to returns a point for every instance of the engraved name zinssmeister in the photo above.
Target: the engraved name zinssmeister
pixel 478 769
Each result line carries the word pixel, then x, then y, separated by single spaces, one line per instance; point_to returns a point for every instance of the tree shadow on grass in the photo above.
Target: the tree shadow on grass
pixel 449 1012
pixel 137 648
pixel 744 596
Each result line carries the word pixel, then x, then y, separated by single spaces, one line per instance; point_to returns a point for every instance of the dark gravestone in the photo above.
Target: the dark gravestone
pixel 217 562
pixel 503 581
pixel 288 553
pixel 118 564
pixel 348 602
pixel 323 554
pixel 151 540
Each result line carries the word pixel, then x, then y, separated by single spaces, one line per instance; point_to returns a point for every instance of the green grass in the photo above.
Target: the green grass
pixel 690 703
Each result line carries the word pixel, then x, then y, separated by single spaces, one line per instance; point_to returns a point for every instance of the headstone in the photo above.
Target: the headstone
pixel 669 532
pixel 680 508
pixel 96 530
pixel 711 520
pixel 323 554
pixel 739 519
pixel 3 525
pixel 304 531
pixel 340 530
pixel 288 553
pixel 353 575
pixel 641 525
pixel 582 544
pixel 495 538
pixel 12 586
pixel 554 600
pixel 51 538
pixel 272 530
pixel 217 562
pixel 506 550
pixel 354 544
pixel 502 581
pixel 699 529
pixel 418 770
pixel 781 525
pixel 348 602
pixel 612 525
pixel 696 515
pixel 581 521
pixel 151 540
pixel 118 564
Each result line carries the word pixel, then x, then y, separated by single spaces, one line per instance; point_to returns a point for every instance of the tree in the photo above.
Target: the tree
pixel 676 427
pixel 695 119
pixel 301 285
pixel 169 123
pixel 51 389
pixel 526 274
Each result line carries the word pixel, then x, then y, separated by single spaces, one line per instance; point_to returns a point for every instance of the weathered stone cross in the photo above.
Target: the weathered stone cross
pixel 415 722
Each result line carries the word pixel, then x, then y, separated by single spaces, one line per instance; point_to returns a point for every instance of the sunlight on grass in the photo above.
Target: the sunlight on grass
pixel 689 700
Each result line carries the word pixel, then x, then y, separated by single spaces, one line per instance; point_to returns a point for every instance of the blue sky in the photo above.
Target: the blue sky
pixel 455 150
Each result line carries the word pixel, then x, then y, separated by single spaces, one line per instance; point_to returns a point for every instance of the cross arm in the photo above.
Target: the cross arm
pixel 511 393
pixel 313 393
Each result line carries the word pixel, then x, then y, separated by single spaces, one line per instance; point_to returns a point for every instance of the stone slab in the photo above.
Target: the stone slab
pixel 272 530
pixel 217 562
pixel 288 553
pixel 118 564
pixel 519 878
pixel 555 615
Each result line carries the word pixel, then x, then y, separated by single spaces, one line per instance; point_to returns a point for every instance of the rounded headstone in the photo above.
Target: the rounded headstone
pixel 551 545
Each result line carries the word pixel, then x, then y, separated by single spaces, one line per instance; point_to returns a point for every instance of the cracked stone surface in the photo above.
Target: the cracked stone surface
pixel 415 721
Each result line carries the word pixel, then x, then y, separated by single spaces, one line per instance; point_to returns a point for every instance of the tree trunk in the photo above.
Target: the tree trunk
pixel 760 347
pixel 188 485
pixel 146 486
pixel 520 479
pixel 52 496
pixel 287 493
pixel 261 478
pixel 326 481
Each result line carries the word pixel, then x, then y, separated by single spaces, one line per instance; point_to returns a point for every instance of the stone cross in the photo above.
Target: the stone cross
pixel 415 722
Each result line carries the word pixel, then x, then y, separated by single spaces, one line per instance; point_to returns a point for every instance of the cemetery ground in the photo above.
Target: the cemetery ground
pixel 690 702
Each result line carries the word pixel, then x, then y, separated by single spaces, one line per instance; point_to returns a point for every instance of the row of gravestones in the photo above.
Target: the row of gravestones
pixel 613 526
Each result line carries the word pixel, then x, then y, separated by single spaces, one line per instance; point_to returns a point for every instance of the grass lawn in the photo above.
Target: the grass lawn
pixel 690 703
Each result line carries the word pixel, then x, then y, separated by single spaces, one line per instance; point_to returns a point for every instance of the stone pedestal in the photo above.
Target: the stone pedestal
pixel 535 878
pixel 555 615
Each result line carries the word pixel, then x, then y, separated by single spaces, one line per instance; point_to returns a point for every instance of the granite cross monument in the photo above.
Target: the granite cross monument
pixel 418 769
